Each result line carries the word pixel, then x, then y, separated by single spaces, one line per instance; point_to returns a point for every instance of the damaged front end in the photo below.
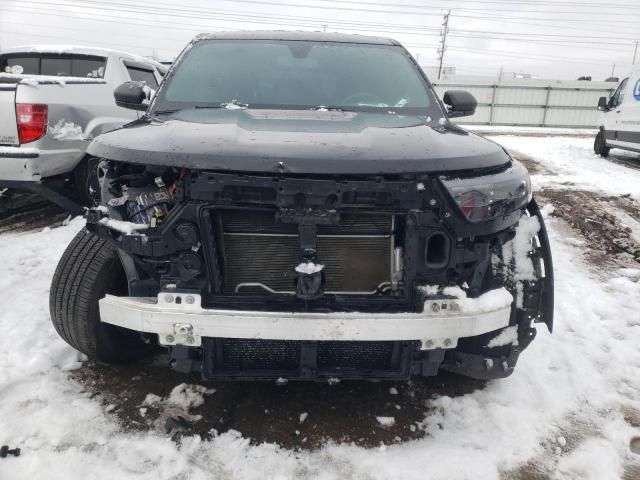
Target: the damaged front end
pixel 263 276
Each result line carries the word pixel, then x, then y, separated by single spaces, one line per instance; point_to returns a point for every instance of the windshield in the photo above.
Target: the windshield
pixel 297 75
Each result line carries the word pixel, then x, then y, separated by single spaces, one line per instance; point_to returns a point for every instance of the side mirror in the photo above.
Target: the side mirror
pixel 461 103
pixel 603 104
pixel 131 95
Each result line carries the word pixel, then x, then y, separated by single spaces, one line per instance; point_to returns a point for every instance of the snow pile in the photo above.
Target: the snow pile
pixel 188 396
pixel 508 336
pixel 128 228
pixel 151 399
pixel 515 255
pixel 487 302
pixel 32 82
pixel 386 421
pixel 309 268
pixel 64 130
pixel 149 93
pixel 517 250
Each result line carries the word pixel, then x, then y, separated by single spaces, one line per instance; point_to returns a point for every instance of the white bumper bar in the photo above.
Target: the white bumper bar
pixel 179 319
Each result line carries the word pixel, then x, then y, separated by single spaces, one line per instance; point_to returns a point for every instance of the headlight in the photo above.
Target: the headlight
pixel 491 196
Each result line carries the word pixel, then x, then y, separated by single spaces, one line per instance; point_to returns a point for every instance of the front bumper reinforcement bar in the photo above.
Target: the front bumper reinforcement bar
pixel 179 319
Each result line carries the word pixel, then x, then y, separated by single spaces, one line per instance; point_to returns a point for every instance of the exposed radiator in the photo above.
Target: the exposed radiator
pixel 258 250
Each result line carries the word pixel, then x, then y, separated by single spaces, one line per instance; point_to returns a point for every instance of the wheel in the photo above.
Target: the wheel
pixel 86 182
pixel 600 145
pixel 90 268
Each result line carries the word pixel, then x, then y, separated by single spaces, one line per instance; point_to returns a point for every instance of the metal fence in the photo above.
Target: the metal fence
pixel 532 105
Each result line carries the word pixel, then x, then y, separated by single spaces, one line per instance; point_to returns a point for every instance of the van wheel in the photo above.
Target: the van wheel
pixel 600 145
pixel 90 268
pixel 87 183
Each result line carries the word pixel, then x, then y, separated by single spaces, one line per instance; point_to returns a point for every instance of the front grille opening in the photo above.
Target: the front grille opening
pixel 436 250
pixel 259 250
pixel 232 357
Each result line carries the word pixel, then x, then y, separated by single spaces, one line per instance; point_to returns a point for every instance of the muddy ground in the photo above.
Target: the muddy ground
pixel 346 412
pixel 266 412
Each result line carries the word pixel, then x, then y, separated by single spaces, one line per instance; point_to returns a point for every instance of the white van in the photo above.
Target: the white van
pixel 619 123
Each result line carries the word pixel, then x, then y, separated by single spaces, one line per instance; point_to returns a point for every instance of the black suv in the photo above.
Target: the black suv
pixel 299 206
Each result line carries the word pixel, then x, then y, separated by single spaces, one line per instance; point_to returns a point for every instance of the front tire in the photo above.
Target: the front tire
pixel 600 145
pixel 90 268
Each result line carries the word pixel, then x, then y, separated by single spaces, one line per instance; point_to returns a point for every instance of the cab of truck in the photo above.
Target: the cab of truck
pixel 619 124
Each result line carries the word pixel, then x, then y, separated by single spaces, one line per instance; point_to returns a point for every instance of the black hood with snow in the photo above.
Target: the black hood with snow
pixel 298 141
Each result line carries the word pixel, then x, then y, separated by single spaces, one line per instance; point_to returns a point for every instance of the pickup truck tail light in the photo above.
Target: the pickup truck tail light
pixel 31 120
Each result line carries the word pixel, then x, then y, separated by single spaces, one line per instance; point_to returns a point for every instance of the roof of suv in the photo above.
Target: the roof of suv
pixel 296 36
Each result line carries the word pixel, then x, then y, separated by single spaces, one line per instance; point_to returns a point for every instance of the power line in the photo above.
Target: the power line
pixel 498 2
pixel 376 27
pixel 292 20
pixel 408 12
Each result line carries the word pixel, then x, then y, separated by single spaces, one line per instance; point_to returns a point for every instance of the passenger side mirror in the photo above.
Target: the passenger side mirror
pixel 131 95
pixel 602 104
pixel 461 103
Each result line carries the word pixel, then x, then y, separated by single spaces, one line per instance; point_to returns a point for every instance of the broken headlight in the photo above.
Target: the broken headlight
pixel 490 196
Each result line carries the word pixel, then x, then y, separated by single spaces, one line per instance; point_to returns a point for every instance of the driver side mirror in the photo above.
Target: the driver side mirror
pixel 131 95
pixel 461 103
pixel 603 104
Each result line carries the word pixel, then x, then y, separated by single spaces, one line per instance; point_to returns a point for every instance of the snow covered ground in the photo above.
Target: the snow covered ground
pixel 570 410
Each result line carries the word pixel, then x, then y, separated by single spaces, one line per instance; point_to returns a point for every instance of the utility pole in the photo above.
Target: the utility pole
pixel 324 27
pixel 443 41
pixel 635 52
pixel 613 69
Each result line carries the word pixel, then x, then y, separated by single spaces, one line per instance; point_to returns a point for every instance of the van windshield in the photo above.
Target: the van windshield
pixel 298 75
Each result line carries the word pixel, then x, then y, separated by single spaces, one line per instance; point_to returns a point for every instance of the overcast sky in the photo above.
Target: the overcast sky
pixel 549 39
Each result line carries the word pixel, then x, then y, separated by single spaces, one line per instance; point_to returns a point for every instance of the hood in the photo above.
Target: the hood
pixel 294 141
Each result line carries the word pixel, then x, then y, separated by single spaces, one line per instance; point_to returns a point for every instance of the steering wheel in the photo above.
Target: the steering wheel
pixel 363 98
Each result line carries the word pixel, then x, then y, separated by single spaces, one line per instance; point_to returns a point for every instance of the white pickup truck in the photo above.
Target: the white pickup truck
pixel 53 101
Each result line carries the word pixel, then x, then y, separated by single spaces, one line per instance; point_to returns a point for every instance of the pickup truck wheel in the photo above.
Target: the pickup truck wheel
pixel 600 145
pixel 86 182
pixel 90 268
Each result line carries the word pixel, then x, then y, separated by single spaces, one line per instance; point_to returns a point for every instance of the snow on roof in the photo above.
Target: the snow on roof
pixel 34 80
pixel 81 50
pixel 298 35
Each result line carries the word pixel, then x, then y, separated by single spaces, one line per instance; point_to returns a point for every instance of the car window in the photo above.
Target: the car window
pixel 81 67
pixel 30 65
pixel 60 67
pixel 56 64
pixel 298 74
pixel 618 96
pixel 138 74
